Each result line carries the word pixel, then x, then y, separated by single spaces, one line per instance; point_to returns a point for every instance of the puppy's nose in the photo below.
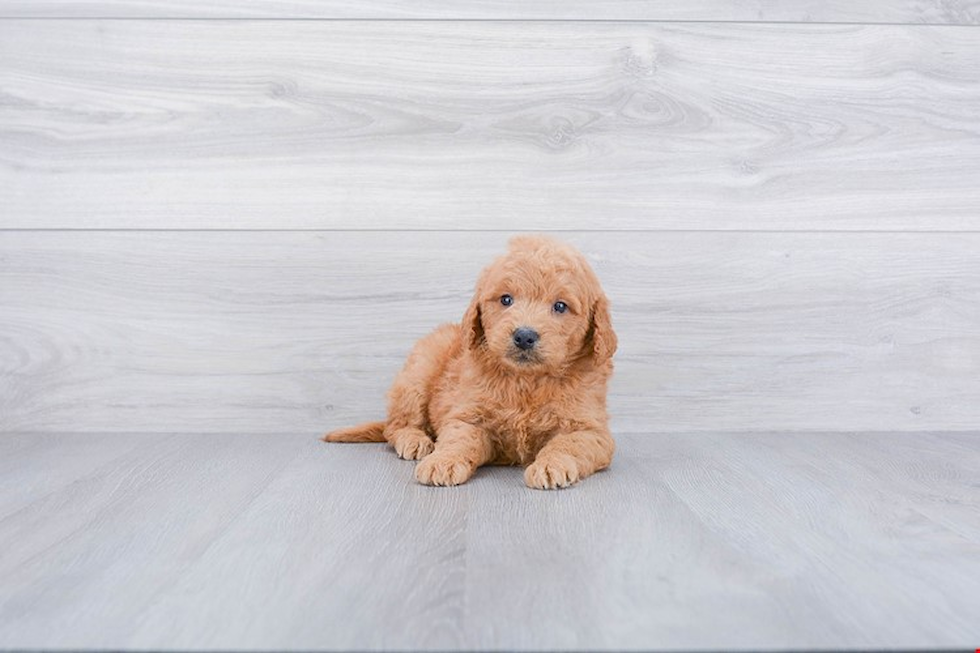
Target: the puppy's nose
pixel 525 338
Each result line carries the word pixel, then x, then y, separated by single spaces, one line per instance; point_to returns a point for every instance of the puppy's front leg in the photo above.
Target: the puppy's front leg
pixel 569 457
pixel 460 449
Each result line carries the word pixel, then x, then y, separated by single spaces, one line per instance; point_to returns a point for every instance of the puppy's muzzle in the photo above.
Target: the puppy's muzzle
pixel 525 338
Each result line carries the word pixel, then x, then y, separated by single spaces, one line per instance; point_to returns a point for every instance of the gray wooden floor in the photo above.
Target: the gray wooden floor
pixel 223 224
pixel 690 541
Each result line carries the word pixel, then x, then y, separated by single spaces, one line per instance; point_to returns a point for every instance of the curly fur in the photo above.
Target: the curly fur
pixel 467 396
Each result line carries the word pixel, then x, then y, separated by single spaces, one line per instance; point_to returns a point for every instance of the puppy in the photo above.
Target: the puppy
pixel 521 381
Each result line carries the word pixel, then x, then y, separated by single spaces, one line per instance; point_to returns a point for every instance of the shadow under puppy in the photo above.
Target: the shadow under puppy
pixel 521 381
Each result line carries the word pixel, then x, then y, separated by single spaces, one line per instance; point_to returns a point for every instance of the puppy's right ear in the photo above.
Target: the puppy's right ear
pixel 473 334
pixel 473 324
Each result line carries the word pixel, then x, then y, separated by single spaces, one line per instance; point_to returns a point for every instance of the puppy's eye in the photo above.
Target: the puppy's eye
pixel 560 307
pixel 506 300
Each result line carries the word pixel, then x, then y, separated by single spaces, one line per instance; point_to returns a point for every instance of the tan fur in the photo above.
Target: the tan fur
pixel 464 399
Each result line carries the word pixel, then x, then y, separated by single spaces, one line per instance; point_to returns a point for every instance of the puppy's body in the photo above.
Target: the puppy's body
pixel 518 382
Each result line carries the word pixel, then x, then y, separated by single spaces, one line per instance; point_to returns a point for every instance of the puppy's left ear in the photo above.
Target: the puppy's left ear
pixel 604 341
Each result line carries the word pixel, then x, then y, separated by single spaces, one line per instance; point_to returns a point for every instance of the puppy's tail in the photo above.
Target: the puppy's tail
pixel 368 432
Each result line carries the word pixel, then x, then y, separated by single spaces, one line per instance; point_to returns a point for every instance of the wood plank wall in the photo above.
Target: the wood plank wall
pixel 943 12
pixel 230 217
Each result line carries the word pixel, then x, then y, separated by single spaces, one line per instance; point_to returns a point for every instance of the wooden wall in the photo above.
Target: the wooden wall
pixel 237 217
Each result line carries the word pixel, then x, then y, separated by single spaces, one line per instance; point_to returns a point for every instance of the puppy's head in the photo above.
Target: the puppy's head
pixel 540 308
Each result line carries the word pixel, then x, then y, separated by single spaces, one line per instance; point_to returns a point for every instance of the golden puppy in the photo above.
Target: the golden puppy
pixel 521 380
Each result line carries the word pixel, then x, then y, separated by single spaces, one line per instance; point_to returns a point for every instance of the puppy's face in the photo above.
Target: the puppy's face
pixel 539 308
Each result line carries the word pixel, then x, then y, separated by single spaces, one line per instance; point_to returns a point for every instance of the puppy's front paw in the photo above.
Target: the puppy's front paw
pixel 551 472
pixel 443 470
pixel 412 444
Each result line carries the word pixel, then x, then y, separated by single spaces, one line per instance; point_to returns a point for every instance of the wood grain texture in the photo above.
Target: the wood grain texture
pixel 33 466
pixel 512 126
pixel 257 332
pixel 689 542
pixel 947 12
